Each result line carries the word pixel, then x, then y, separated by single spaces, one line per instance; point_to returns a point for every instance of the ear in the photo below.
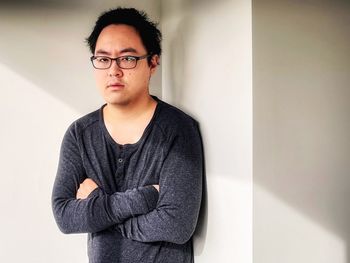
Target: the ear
pixel 154 63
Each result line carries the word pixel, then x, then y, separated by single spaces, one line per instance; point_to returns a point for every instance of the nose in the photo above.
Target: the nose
pixel 115 70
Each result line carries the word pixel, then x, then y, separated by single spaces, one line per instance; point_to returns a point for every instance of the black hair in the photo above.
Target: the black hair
pixel 148 31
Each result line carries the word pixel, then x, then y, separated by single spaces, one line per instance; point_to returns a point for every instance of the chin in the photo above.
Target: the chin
pixel 117 101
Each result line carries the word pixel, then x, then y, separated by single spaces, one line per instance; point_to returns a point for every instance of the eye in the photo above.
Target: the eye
pixel 102 59
pixel 127 59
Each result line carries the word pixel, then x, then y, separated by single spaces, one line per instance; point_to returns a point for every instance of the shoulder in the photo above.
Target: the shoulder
pixel 173 120
pixel 180 130
pixel 79 126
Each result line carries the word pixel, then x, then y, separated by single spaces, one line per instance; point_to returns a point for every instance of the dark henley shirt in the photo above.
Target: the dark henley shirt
pixel 126 219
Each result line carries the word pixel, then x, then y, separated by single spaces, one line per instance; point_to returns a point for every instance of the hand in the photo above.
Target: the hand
pixel 86 188
pixel 156 186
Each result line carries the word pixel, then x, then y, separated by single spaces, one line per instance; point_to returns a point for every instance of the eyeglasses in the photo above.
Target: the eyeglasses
pixel 124 62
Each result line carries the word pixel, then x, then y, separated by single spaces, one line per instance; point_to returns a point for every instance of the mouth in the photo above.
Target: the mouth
pixel 115 86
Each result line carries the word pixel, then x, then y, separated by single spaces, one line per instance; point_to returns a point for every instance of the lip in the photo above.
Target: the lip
pixel 115 86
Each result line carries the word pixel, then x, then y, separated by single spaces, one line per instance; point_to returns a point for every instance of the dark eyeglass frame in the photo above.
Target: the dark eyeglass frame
pixel 118 60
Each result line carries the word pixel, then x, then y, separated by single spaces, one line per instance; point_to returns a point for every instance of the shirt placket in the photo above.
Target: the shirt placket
pixel 120 159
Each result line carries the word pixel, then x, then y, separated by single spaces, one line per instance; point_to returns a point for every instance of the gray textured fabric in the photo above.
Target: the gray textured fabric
pixel 125 217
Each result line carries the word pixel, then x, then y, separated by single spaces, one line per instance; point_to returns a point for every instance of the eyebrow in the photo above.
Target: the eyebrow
pixel 128 50
pixel 101 52
pixel 125 50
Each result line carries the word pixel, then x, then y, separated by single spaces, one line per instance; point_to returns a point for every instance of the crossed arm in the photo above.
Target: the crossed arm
pixel 85 208
pixel 88 186
pixel 141 214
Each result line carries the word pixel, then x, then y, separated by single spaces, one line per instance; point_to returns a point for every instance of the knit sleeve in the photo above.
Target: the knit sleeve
pixel 99 211
pixel 175 217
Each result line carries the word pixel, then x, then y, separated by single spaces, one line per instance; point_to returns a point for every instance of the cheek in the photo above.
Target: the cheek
pixel 100 79
pixel 142 78
pixel 128 75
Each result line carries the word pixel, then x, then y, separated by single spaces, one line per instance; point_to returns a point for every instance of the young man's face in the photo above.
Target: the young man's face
pixel 123 86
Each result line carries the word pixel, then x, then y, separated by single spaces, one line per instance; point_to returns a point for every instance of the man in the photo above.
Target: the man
pixel 130 173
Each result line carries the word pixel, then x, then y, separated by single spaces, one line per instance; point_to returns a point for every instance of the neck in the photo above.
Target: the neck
pixel 128 112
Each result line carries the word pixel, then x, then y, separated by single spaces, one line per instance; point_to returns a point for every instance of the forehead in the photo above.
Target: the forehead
pixel 115 38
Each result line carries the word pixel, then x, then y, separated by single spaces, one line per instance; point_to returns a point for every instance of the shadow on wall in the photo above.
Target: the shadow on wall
pixel 43 41
pixel 178 51
pixel 301 108
pixel 283 233
pixel 34 4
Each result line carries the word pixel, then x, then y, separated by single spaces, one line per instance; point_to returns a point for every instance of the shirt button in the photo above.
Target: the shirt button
pixel 120 160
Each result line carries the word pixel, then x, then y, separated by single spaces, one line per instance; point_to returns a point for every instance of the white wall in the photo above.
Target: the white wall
pixel 301 65
pixel 207 71
pixel 46 83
